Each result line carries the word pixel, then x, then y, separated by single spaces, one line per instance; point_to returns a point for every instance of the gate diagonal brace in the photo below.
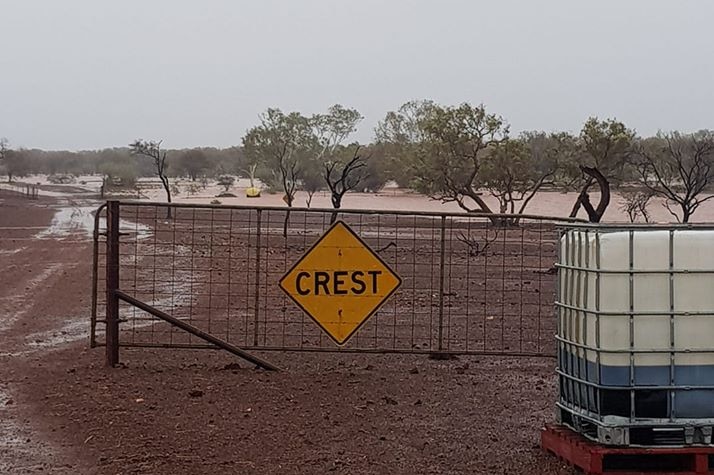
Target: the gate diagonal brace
pixel 196 331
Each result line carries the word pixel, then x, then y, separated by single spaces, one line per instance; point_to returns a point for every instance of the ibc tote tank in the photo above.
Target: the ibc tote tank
pixel 636 334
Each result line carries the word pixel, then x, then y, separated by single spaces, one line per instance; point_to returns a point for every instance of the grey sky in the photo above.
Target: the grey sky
pixel 80 74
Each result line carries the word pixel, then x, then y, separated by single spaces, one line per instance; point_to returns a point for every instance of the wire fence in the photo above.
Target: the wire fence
pixel 471 284
pixel 27 190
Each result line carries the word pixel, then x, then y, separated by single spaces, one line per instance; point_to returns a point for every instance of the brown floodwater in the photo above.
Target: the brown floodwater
pixel 547 203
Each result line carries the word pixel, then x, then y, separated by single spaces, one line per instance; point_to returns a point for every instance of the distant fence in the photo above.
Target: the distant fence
pixel 25 189
pixel 471 284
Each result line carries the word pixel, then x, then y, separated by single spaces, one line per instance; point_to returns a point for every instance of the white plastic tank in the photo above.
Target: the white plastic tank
pixel 636 333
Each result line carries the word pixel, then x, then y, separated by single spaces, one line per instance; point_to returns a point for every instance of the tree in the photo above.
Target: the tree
pixel 226 181
pixel 634 204
pixel 342 177
pixel 399 136
pixel 4 152
pixel 4 147
pixel 193 162
pixel 679 168
pixel 455 142
pixel 516 169
pixel 340 169
pixel 606 146
pixel 117 173
pixel 280 143
pixel 374 175
pixel 153 150
pixel 312 180
pixel 16 163
pixel 333 128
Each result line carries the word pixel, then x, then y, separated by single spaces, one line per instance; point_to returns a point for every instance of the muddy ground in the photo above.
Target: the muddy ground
pixel 192 412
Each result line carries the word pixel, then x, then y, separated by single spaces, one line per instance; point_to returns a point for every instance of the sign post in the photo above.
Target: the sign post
pixel 340 282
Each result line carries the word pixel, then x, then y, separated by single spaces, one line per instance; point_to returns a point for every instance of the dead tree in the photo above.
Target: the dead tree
pixel 594 214
pixel 679 168
pixel 342 178
pixel 153 150
pixel 476 247
pixel 635 204
pixel 289 173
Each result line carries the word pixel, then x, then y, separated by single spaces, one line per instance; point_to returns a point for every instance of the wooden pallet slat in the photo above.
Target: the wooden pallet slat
pixel 596 459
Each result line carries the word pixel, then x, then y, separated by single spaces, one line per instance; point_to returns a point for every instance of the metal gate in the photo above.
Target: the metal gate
pixel 471 284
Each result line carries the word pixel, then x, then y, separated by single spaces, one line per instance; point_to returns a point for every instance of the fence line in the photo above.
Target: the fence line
pixel 471 284
pixel 25 189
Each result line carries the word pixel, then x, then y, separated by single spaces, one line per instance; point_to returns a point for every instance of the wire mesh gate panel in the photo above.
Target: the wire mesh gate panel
pixel 470 284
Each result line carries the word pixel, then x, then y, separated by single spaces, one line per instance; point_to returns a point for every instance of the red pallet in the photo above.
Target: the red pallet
pixel 596 459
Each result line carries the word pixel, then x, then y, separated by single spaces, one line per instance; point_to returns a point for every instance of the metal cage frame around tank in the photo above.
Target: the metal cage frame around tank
pixel 576 411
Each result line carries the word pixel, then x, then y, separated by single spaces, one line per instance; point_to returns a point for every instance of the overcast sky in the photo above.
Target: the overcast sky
pixel 81 74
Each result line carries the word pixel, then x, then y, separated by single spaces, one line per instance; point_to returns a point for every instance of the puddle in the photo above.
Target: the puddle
pixel 76 328
pixel 79 220
pixel 70 220
pixel 9 252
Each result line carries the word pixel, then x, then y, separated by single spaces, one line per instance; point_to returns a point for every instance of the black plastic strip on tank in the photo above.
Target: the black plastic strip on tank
pixel 631 247
pixel 672 394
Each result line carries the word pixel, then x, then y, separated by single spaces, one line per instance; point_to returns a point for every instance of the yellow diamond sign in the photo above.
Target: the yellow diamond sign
pixel 340 282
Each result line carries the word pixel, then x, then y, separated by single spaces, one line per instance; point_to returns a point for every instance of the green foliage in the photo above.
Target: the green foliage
pixel 193 163
pixel 451 155
pixel 375 174
pixel 226 181
pixel 118 173
pixel 333 128
pixel 312 180
pixel 607 145
pixel 16 163
pixel 515 169
pixel 399 137
pixel 87 162
pixel 278 146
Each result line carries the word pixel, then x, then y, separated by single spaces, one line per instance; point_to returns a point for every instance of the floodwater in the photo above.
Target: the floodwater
pixel 545 203
pixel 76 219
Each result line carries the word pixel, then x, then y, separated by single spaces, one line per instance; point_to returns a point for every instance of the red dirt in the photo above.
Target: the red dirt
pixel 190 412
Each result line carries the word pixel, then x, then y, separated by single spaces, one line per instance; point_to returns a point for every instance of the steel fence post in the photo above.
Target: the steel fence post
pixel 442 260
pixel 95 278
pixel 112 284
pixel 256 302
